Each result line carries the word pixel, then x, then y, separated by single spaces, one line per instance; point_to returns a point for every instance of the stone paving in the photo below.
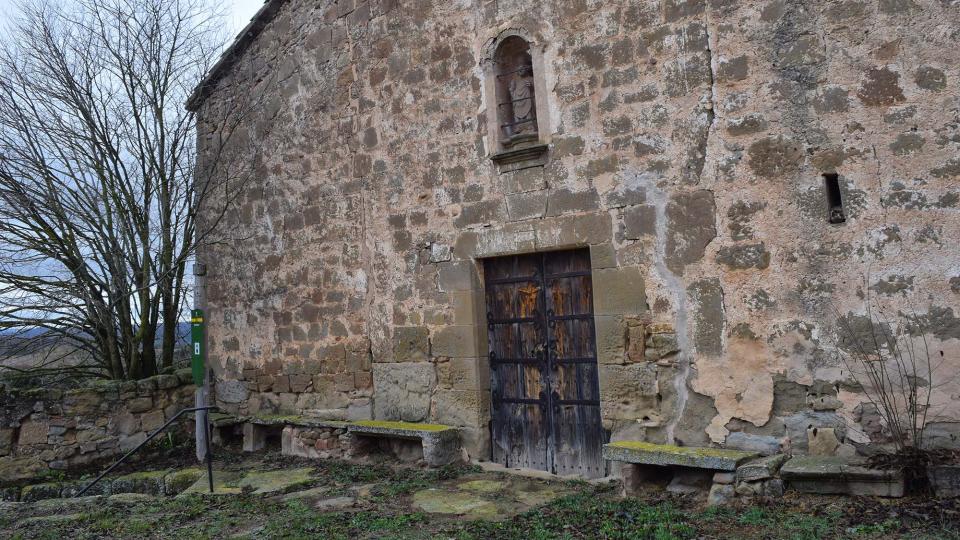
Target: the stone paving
pixel 480 495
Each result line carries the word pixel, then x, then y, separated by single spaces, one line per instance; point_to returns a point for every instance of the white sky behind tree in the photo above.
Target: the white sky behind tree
pixel 240 11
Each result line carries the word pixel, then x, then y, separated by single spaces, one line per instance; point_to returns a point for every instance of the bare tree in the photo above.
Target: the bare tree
pixel 98 181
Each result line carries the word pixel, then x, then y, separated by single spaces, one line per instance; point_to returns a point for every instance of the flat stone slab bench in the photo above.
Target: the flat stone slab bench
pixel 441 444
pixel 256 429
pixel 644 453
pixel 219 420
pixel 294 420
pixel 840 476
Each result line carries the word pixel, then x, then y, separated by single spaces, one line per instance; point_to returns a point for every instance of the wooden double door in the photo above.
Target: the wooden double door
pixel 543 363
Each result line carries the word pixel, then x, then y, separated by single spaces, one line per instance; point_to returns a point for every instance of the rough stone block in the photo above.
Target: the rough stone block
pixel 254 437
pixel 38 492
pixel 140 404
pixel 403 390
pixel 464 374
pixel 945 480
pixel 611 334
pixel 457 341
pixel 530 179
pixel 639 221
pixel 291 444
pixel 33 433
pixel 6 441
pixel 721 495
pixel 619 291
pixel 468 306
pixel 231 391
pixel 762 468
pixel 564 201
pixel 300 382
pixel 629 392
pixel 602 256
pixel 130 442
pixel 837 475
pixel 152 421
pixel 457 276
pixel 691 225
pixel 166 382
pixel 147 483
pixel 529 205
pixel 411 343
pixel 460 407
pixel 822 441
pixel 761 444
pixel 280 383
pixel 724 478
pixel 706 297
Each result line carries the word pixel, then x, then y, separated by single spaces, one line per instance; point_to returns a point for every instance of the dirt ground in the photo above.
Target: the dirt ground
pixel 270 496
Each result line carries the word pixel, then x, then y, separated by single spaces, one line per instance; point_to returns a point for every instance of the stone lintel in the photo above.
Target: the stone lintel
pixel 683 456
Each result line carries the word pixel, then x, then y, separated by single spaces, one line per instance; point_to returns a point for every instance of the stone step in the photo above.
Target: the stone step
pixel 645 453
pixel 840 476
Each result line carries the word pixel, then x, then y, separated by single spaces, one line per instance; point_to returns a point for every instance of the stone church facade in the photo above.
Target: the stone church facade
pixel 553 224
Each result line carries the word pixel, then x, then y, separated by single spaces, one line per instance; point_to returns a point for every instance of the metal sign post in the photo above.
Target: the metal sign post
pixel 199 370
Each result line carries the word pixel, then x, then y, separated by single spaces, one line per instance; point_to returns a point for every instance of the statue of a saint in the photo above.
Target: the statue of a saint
pixel 522 101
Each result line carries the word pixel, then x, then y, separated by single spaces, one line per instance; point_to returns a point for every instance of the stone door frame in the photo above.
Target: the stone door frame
pixel 618 292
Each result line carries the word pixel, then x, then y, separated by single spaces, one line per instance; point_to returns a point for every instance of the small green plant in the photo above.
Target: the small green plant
pixel 876 529
pixel 754 516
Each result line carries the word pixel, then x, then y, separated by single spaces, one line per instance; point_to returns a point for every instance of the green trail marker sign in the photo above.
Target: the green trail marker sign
pixel 196 336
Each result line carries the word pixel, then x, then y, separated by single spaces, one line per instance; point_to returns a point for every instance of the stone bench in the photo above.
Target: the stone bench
pixel 840 476
pixel 690 467
pixel 223 426
pixel 320 439
pixel 258 429
pixel 441 444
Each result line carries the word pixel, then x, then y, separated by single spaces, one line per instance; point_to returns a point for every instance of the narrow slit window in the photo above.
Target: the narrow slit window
pixel 835 211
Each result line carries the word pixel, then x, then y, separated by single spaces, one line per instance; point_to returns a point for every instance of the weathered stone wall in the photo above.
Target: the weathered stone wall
pixel 45 428
pixel 687 142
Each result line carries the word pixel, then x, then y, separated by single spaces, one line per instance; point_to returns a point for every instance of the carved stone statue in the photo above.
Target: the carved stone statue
pixel 522 98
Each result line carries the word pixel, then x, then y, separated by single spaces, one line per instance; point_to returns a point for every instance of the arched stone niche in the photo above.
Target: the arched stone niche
pixel 516 100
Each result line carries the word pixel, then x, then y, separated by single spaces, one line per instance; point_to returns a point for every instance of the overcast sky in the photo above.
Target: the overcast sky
pixel 240 10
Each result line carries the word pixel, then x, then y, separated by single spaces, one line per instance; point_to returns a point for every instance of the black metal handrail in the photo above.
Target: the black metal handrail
pixel 208 457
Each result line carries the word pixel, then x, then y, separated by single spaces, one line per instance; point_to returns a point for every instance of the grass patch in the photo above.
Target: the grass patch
pixel 585 515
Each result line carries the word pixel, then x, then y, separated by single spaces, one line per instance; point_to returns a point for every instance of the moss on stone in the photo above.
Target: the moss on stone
pixel 279 481
pixel 178 481
pixel 679 450
pixel 412 426
pixel 146 482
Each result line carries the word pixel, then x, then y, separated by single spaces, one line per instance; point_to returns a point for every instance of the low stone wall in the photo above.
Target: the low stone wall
pixel 46 428
pixel 316 443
